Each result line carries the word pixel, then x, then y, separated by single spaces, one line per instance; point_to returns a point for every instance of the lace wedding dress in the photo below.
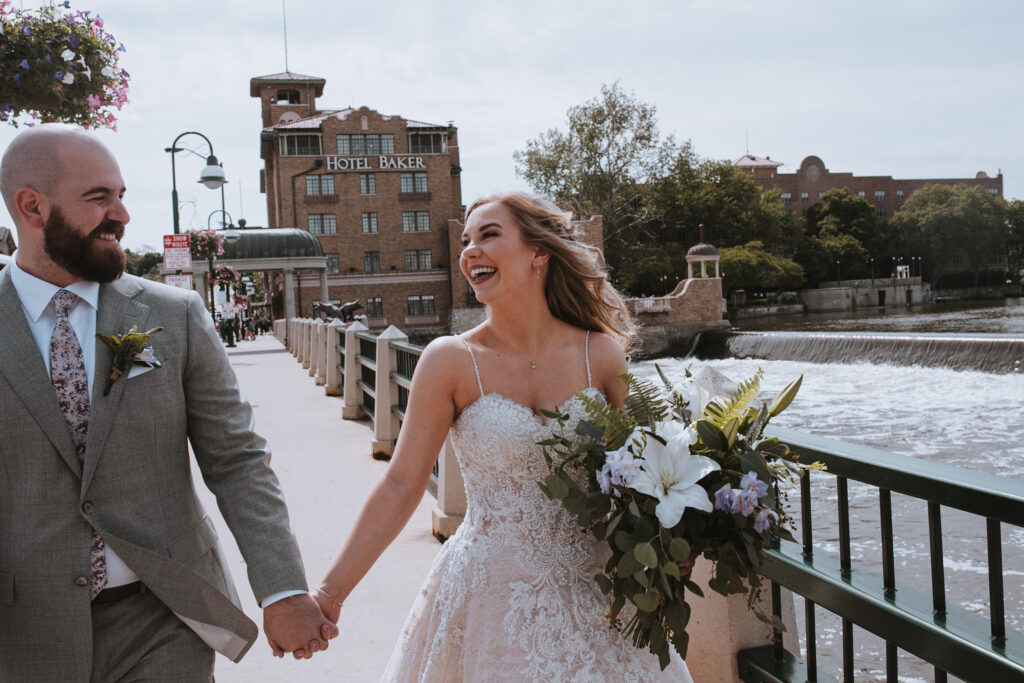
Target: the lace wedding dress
pixel 511 595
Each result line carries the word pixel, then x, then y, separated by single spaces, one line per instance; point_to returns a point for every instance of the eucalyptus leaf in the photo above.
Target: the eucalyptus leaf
pixel 627 565
pixel 645 554
pixel 679 549
pixel 645 602
pixel 556 486
pixel 671 569
pixel 711 436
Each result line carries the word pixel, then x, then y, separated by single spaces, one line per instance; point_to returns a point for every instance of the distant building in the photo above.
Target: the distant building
pixel 806 187
pixel 378 192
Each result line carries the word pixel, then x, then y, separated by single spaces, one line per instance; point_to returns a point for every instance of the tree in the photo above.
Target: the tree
pixel 652 270
pixel 848 214
pixel 605 163
pixel 819 255
pixel 947 223
pixel 1015 240
pixel 752 268
pixel 145 264
pixel 729 204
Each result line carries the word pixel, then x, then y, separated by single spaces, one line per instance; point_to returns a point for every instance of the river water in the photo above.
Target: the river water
pixel 966 418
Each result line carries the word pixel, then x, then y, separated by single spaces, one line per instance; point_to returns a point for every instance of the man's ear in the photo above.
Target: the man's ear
pixel 29 205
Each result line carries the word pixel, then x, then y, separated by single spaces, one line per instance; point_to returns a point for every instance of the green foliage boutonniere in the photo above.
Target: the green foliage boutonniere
pixel 129 348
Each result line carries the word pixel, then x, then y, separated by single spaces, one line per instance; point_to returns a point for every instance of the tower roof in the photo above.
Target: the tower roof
pixel 751 161
pixel 286 78
pixel 703 249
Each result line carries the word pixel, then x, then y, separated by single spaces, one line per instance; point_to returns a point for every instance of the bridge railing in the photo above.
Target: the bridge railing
pixel 374 376
pixel 919 621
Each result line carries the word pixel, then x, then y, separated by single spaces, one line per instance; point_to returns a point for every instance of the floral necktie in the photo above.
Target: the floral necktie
pixel 67 372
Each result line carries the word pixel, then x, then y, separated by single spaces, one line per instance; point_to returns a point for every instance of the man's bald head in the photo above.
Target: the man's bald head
pixel 35 160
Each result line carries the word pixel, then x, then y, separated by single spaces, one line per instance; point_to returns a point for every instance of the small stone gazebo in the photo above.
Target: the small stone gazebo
pixel 704 254
pixel 271 249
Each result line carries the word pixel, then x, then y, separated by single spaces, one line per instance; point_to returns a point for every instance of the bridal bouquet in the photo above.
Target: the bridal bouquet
pixel 676 475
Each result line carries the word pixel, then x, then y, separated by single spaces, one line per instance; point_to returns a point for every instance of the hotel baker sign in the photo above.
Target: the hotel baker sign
pixel 374 163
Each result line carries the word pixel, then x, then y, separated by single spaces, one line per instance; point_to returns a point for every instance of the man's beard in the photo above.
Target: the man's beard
pixel 84 256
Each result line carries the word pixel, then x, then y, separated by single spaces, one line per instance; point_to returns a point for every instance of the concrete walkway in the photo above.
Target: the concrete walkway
pixel 326 470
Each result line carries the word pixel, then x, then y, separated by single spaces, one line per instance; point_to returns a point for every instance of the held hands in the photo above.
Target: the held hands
pixel 296 624
pixel 328 605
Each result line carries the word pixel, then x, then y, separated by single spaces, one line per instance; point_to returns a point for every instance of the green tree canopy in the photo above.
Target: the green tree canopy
pixel 848 214
pixel 753 268
pixel 944 222
pixel 145 264
pixel 603 164
pixel 1015 239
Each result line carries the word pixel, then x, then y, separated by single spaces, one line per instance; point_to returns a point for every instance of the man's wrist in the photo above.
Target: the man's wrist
pixel 279 596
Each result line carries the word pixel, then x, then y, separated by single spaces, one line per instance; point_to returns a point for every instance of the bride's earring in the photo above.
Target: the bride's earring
pixel 536 268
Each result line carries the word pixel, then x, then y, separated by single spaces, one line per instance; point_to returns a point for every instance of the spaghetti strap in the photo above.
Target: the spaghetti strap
pixel 586 356
pixel 476 368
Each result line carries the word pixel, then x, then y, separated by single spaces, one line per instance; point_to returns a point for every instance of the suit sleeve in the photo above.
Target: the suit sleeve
pixel 235 461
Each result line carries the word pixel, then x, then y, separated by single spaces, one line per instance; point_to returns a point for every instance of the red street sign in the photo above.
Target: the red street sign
pixel 176 253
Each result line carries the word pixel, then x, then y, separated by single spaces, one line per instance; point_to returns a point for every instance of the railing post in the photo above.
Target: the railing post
pixel 451 494
pixel 321 354
pixel 385 422
pixel 332 379
pixel 316 347
pixel 307 342
pixel 352 393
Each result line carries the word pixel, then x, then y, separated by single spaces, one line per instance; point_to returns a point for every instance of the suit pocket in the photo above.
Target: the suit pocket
pixel 194 542
pixel 6 588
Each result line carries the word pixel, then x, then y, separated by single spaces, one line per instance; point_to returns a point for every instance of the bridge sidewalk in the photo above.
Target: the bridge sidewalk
pixel 326 471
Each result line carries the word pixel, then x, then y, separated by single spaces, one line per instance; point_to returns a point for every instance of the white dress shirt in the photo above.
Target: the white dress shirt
pixel 36 300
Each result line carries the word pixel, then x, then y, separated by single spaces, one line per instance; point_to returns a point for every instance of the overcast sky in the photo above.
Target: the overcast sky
pixel 908 88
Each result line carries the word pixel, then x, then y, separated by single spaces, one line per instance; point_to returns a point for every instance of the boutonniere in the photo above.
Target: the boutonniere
pixel 129 348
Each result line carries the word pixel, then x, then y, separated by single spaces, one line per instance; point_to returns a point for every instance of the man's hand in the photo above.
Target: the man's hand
pixel 297 625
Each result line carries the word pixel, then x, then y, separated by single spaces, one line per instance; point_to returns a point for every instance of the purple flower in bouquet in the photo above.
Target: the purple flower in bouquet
pixel 764 520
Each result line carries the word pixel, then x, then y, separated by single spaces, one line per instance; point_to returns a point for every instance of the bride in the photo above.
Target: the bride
pixel 511 595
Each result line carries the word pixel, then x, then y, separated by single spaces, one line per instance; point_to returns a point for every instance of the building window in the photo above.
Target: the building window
pixel 420 304
pixel 287 96
pixel 879 195
pixel 415 221
pixel 322 224
pixel 369 223
pixel 994 191
pixel 374 307
pixel 899 195
pixel 293 145
pixel 786 197
pixel 414 182
pixel 371 261
pixel 861 194
pixel 880 211
pixel 805 197
pixel 319 184
pixel 418 259
pixel 367 183
pixel 366 144
pixel 426 143
pixel 332 264
pixel 821 195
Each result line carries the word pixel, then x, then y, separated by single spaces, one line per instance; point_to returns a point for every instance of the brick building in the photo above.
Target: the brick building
pixel 803 189
pixel 378 192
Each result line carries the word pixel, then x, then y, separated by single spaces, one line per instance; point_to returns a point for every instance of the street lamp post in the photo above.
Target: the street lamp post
pixel 837 274
pixel 212 174
pixel 872 272
pixel 229 233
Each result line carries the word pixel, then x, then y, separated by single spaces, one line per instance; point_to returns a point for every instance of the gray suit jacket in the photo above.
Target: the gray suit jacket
pixel 134 486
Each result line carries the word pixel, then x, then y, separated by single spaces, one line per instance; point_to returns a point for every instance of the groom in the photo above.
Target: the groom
pixel 109 567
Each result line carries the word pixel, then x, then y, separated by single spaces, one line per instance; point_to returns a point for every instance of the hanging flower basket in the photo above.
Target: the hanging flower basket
pixel 225 274
pixel 205 244
pixel 59 65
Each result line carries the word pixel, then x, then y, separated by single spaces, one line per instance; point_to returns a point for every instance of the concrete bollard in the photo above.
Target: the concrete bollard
pixel 332 380
pixel 451 494
pixel 353 394
pixel 307 329
pixel 722 626
pixel 385 422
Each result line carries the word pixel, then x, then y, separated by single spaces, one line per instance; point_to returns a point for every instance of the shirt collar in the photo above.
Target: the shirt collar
pixel 35 294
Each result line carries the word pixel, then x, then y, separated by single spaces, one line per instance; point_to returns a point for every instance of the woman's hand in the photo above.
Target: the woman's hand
pixel 328 605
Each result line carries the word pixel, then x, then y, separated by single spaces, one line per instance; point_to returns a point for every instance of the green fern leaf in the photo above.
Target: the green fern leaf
pixel 644 403
pixel 616 424
pixel 736 406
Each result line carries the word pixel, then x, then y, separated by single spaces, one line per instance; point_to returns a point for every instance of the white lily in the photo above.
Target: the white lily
pixel 669 472
pixel 67 55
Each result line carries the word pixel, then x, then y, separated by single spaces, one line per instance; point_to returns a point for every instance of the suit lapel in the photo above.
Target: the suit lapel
pixel 117 312
pixel 24 369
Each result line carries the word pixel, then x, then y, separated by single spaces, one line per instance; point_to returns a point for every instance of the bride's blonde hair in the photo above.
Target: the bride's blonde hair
pixel 576 287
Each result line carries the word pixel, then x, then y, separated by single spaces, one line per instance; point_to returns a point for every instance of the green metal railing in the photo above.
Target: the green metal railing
pixel 950 638
pixel 406 357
